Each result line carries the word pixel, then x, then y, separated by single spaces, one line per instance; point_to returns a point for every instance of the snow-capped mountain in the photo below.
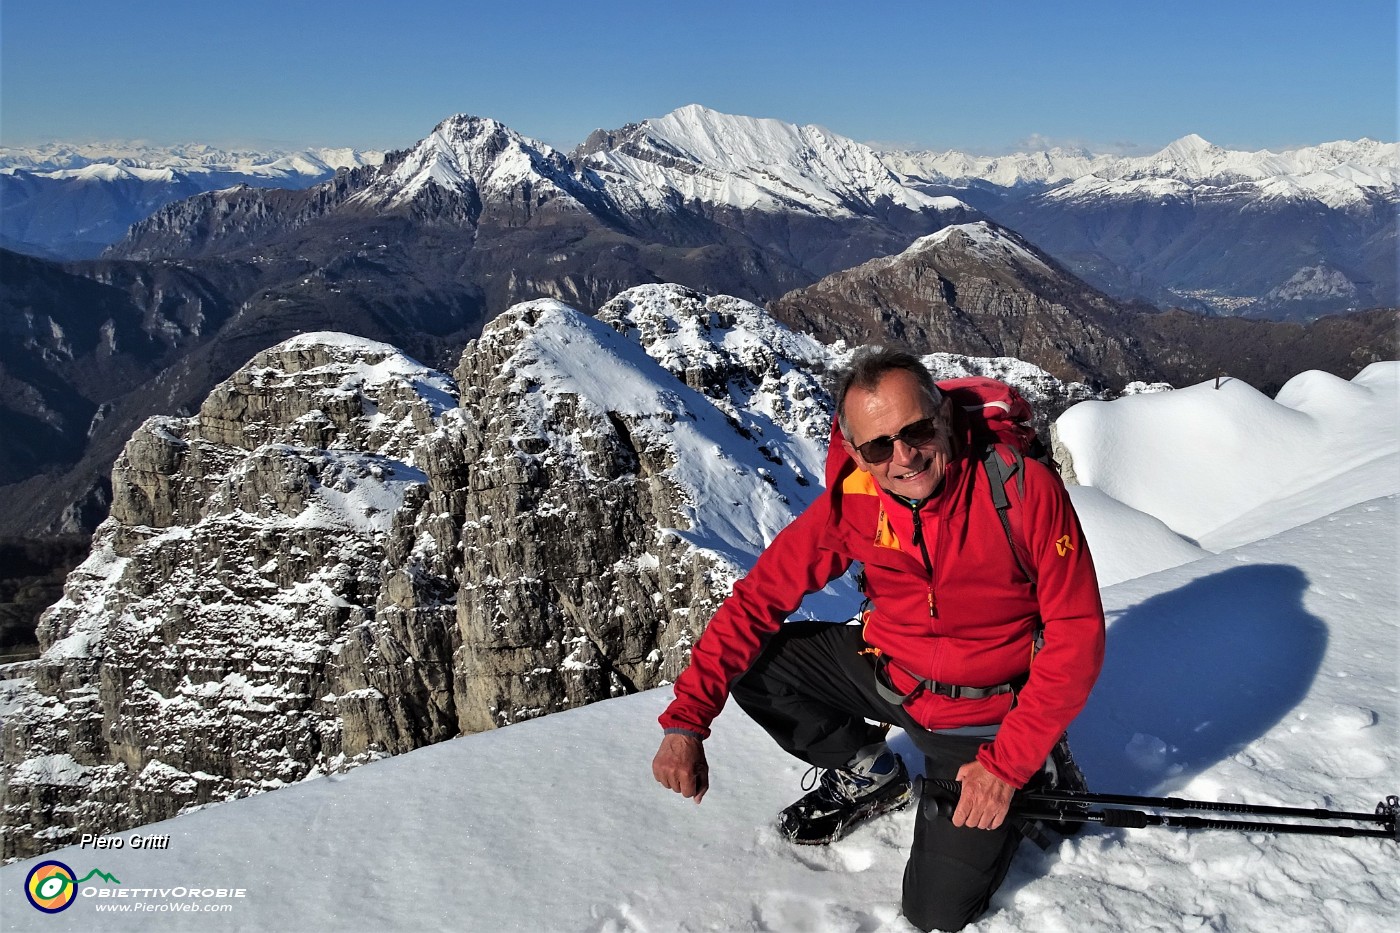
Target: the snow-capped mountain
pixel 424 249
pixel 192 158
pixel 1362 164
pixel 1288 234
pixel 72 201
pixel 677 180
pixel 1291 234
pixel 948 167
pixel 976 289
pixel 983 290
pixel 477 159
pixel 695 154
pixel 1336 175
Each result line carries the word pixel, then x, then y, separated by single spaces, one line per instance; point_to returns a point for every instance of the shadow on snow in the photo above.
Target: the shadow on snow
pixel 1193 675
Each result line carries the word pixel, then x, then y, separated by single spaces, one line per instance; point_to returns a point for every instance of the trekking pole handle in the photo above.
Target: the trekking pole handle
pixel 1388 810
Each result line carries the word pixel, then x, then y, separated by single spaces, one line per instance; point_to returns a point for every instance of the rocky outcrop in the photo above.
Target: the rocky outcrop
pixel 222 638
pixel 591 555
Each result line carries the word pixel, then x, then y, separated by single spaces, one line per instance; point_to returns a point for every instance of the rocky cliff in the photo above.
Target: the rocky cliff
pixel 222 638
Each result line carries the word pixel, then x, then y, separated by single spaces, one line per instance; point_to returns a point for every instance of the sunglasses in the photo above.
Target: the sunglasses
pixel 880 449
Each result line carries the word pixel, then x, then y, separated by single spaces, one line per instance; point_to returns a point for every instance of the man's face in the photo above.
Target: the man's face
pixel 896 402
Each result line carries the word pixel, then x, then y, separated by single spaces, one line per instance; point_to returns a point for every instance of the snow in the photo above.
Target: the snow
pixel 1343 174
pixel 994 244
pixel 698 154
pixel 141 160
pixel 1266 672
pixel 565 353
pixel 51 769
pixel 465 154
pixel 1008 171
pixel 1127 543
pixel 1236 465
pixel 102 171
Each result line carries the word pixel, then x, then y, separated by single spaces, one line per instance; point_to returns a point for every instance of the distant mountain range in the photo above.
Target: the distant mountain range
pixel 1286 235
pixel 424 248
pixel 72 201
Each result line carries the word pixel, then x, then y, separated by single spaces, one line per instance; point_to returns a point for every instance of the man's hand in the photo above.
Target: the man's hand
pixel 680 765
pixel 985 798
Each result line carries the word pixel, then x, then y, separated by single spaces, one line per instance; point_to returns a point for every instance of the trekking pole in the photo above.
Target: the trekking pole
pixel 1073 807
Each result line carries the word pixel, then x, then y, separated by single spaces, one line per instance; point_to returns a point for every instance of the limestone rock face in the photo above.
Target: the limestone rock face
pixel 590 556
pixel 223 637
pixel 346 555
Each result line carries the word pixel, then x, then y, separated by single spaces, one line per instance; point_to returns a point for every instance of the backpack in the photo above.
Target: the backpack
pixel 996 414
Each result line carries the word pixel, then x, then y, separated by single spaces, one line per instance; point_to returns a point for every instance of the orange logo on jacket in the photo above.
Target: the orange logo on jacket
pixel 1063 545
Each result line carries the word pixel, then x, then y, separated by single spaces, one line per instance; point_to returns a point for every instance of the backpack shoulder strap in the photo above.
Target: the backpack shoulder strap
pixel 999 473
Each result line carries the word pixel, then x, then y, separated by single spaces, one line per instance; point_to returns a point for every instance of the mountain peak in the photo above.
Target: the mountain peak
pixel 470 126
pixel 1191 142
pixel 752 163
pixel 467 154
pixel 985 240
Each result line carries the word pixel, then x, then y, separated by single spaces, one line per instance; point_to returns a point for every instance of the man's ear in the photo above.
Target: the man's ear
pixel 853 454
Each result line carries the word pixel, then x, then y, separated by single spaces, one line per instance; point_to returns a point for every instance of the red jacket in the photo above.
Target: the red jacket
pixel 971 622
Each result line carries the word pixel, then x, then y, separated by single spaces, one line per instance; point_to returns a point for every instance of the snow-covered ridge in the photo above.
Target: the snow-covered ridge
pixel 1190 159
pixel 60 159
pixel 647 360
pixel 1008 171
pixel 698 154
pixel 1336 173
pixel 692 155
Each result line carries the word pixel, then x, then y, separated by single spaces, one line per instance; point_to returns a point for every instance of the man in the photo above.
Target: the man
pixel 945 652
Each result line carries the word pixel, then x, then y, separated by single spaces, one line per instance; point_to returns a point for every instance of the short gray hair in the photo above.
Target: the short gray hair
pixel 868 366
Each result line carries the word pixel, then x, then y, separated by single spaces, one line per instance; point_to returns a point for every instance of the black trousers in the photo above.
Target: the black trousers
pixel 813 691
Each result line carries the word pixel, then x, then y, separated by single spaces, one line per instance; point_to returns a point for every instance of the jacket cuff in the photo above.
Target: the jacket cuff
pixel 679 719
pixel 987 758
pixel 677 730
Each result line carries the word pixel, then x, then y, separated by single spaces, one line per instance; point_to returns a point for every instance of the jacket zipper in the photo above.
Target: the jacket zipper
pixel 923 549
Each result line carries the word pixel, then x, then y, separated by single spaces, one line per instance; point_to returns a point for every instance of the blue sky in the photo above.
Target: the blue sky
pixel 987 76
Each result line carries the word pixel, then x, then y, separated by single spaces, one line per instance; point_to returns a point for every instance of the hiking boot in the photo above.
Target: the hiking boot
pixel 875 783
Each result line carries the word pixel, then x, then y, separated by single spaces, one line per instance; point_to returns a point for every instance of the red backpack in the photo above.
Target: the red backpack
pixel 995 413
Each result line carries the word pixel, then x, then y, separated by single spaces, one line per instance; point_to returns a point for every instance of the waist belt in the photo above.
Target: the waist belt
pixel 953 691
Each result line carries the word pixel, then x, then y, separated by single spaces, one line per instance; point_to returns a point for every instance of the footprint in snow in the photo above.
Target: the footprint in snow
pixel 837 857
pixel 780 912
pixel 614 918
pixel 1343 717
